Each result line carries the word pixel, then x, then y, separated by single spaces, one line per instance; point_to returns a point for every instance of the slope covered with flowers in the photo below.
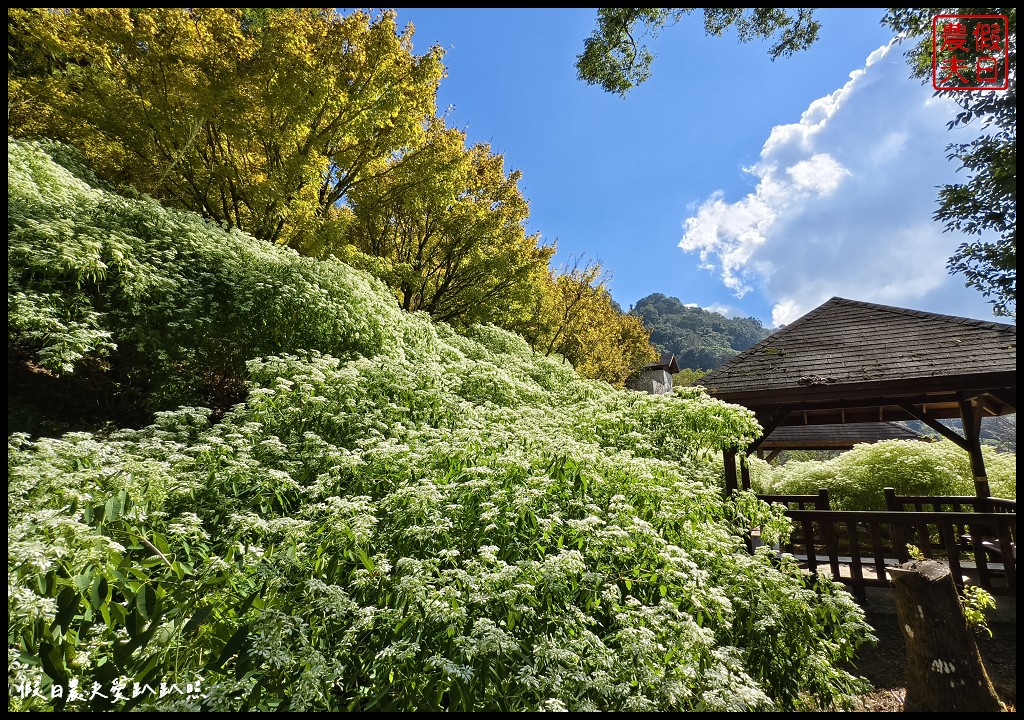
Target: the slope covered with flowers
pixel 857 479
pixel 396 517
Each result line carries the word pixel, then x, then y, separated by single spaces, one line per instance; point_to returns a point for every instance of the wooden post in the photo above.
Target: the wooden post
pixel 891 504
pixel 944 669
pixel 730 470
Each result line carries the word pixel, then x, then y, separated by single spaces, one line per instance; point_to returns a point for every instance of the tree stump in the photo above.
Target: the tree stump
pixel 944 669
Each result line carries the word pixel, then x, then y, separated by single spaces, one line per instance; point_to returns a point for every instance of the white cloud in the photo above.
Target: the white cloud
pixel 820 174
pixel 731 233
pixel 786 312
pixel 843 204
pixel 722 309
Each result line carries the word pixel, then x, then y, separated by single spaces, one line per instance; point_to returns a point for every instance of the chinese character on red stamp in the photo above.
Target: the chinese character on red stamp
pixel 970 52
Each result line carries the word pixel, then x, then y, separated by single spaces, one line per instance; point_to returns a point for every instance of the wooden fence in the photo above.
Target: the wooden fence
pixel 976 537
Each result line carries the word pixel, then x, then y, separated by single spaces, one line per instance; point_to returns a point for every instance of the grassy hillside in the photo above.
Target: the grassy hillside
pixel 386 516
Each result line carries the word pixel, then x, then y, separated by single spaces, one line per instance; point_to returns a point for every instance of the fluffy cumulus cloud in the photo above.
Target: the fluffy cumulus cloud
pixel 843 204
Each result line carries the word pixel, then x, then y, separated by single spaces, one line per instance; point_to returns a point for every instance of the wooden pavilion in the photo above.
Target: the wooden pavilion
pixel 848 362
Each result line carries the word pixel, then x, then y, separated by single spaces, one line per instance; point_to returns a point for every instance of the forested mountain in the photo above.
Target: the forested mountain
pixel 699 339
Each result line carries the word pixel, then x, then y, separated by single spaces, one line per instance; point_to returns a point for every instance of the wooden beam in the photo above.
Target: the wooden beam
pixel 932 400
pixel 775 417
pixel 941 384
pixel 871 409
pixel 772 455
pixel 823 444
pixel 1007 396
pixel 938 427
pixel 972 429
pixel 887 413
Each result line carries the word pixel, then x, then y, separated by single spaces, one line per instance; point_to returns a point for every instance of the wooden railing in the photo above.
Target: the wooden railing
pixel 801 502
pixel 940 503
pixel 857 547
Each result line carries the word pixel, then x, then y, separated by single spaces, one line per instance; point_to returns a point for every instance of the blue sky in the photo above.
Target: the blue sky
pixel 742 185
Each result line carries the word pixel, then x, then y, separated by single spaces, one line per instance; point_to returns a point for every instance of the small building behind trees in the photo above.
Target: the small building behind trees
pixel 656 377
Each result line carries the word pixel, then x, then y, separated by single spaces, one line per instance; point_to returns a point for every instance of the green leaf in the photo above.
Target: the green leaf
pixel 197 619
pixel 160 543
pixel 47 583
pixel 133 623
pixel 98 592
pixel 365 559
pixel 112 509
pixel 83 581
pixel 117 614
pixel 67 606
pixel 244 664
pixel 145 600
pixel 123 651
pixel 233 645
pixel 244 606
pixel 53 663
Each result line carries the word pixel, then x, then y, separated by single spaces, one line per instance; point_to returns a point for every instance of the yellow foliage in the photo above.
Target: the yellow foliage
pixel 450 222
pixel 579 321
pixel 262 120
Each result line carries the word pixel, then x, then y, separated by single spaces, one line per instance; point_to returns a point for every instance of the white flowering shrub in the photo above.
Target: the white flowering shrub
pixel 414 520
pixel 856 479
pixel 171 301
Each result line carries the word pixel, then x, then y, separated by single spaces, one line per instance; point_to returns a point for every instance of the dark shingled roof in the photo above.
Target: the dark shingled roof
pixel 825 437
pixel 845 341
pixel 666 362
pixel 846 348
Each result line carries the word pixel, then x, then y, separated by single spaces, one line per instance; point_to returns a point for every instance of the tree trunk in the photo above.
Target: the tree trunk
pixel 944 669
